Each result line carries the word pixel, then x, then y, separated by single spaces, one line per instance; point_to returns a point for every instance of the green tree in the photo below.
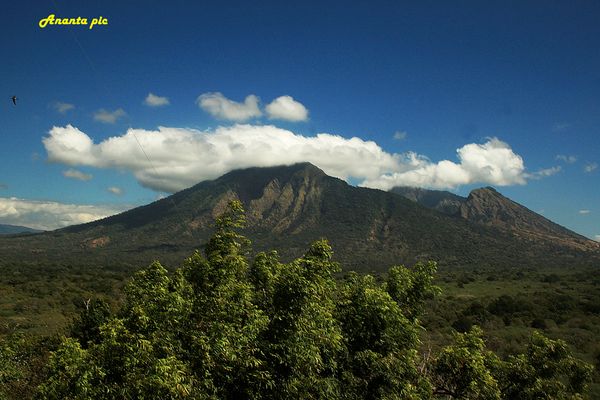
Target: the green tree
pixel 22 364
pixel 380 357
pixel 86 327
pixel 303 339
pixel 465 369
pixel 11 370
pixel 410 288
pixel 222 327
pixel 136 353
pixel 547 370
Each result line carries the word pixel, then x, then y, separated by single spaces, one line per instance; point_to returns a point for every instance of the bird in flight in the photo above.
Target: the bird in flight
pixel 14 100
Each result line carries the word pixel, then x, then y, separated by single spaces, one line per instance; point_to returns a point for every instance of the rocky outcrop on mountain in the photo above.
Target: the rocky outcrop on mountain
pixel 439 200
pixel 488 207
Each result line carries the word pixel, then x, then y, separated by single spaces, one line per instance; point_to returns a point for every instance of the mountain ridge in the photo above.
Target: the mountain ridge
pixel 7 229
pixel 288 207
pixel 487 206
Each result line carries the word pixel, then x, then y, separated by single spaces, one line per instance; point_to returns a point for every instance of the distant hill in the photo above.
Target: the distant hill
pixel 15 229
pixel 287 208
pixel 486 206
pixel 439 200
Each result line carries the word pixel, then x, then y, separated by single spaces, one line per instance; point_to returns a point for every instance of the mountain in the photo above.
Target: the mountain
pixel 439 200
pixel 486 206
pixel 15 229
pixel 287 208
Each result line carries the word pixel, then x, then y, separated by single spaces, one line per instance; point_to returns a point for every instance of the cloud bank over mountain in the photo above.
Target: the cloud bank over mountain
pixel 180 157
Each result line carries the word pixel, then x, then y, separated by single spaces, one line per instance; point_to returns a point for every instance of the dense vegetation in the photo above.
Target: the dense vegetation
pixel 225 326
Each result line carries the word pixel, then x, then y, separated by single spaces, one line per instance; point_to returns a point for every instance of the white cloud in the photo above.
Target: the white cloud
pixel 584 212
pixel 67 145
pixel 109 117
pixel 597 238
pixel 153 100
pixel 62 107
pixel 48 215
pixel 115 190
pixel 286 108
pixel 221 107
pixel 75 174
pixel 544 173
pixel 183 157
pixel 180 158
pixel 493 162
pixel 590 167
pixel 400 135
pixel 566 159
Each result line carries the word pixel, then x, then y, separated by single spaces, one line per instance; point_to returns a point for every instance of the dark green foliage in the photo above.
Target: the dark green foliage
pixel 463 324
pixel 504 305
pixel 563 312
pixel 22 364
pixel 465 370
pixel 552 278
pixel 86 328
pixel 539 323
pixel 546 371
pixel 411 288
pixel 304 339
pixel 380 356
pixel 222 327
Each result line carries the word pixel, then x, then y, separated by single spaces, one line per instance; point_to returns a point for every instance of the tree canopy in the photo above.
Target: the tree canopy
pixel 228 326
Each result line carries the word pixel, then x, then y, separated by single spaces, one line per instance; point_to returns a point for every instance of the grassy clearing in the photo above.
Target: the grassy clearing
pixel 510 304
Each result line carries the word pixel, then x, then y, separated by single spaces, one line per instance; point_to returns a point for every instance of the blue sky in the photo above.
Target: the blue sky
pixel 514 85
